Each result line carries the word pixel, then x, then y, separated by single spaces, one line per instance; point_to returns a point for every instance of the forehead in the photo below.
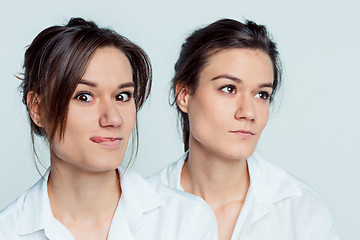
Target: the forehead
pixel 242 63
pixel 108 65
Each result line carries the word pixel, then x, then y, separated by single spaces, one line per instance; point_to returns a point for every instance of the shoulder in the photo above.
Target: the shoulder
pixel 277 179
pixel 306 194
pixel 294 200
pixel 314 210
pixel 281 182
pixel 168 195
pixel 177 197
pixel 193 215
pixel 21 216
pixel 186 214
pixel 170 175
pixel 13 210
pixel 10 218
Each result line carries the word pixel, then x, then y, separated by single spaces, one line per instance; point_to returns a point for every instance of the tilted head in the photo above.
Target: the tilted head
pixel 205 42
pixel 55 63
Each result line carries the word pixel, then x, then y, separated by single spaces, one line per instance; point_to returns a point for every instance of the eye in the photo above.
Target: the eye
pixel 228 89
pixel 84 97
pixel 123 97
pixel 263 95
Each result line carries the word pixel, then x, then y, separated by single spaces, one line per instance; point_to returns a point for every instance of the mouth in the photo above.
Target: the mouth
pixel 243 133
pixel 107 141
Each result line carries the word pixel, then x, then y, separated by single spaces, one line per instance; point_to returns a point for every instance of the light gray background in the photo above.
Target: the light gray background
pixel 313 132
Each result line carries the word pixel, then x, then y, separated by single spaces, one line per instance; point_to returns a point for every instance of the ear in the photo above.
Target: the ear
pixel 33 105
pixel 182 97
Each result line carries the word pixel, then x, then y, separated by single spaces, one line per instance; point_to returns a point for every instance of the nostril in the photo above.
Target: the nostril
pixel 110 117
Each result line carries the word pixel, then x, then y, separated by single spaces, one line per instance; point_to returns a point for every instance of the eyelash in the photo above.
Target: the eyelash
pixel 231 88
pixel 267 95
pixel 128 94
pixel 78 95
pixel 228 86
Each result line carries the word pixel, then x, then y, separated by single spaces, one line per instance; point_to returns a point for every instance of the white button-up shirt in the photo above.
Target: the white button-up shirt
pixel 277 206
pixel 146 210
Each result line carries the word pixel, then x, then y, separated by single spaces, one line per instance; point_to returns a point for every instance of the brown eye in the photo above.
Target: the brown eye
pixel 228 89
pixel 263 95
pixel 123 97
pixel 84 97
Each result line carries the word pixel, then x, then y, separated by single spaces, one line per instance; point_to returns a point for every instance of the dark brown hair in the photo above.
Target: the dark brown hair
pixel 57 59
pixel 204 42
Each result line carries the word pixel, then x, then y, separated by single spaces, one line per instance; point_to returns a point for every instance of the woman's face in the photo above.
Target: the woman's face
pixel 101 115
pixel 230 106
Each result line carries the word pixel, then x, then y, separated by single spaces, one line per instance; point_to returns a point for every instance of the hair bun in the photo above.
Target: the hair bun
pixel 80 22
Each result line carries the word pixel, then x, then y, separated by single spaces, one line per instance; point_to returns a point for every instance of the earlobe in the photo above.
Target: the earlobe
pixel 182 97
pixel 33 105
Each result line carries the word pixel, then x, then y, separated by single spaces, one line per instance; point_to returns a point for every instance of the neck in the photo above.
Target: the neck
pixel 82 197
pixel 216 179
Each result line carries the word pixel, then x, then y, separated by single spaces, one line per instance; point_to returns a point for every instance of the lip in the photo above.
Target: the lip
pixel 110 142
pixel 243 133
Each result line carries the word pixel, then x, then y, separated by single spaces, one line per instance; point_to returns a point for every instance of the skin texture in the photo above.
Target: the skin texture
pixel 83 186
pixel 227 114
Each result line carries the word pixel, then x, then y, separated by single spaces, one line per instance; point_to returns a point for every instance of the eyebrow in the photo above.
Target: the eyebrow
pixel 94 85
pixel 232 78
pixel 85 82
pixel 238 80
pixel 126 85
pixel 266 85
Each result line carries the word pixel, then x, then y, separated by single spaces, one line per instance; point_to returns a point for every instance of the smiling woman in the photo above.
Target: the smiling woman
pixel 83 86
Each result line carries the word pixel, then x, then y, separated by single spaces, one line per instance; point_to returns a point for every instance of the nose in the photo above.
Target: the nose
pixel 245 109
pixel 110 115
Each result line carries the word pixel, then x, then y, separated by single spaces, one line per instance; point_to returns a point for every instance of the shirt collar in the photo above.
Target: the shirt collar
pixel 138 197
pixel 36 211
pixel 268 183
pixel 175 172
pixel 136 189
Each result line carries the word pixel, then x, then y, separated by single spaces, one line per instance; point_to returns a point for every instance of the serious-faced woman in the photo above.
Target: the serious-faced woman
pixel 225 79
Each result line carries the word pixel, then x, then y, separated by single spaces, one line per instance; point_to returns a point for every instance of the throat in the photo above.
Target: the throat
pixel 83 202
pixel 222 184
pixel 216 182
pixel 226 217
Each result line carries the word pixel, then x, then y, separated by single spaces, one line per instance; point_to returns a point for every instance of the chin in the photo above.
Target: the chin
pixel 103 165
pixel 238 153
pixel 99 169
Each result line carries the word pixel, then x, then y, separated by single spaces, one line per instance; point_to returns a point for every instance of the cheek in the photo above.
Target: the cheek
pixel 207 113
pixel 129 117
pixel 263 116
pixel 80 123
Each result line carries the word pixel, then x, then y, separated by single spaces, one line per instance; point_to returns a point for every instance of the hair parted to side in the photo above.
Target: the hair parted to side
pixel 55 62
pixel 204 42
